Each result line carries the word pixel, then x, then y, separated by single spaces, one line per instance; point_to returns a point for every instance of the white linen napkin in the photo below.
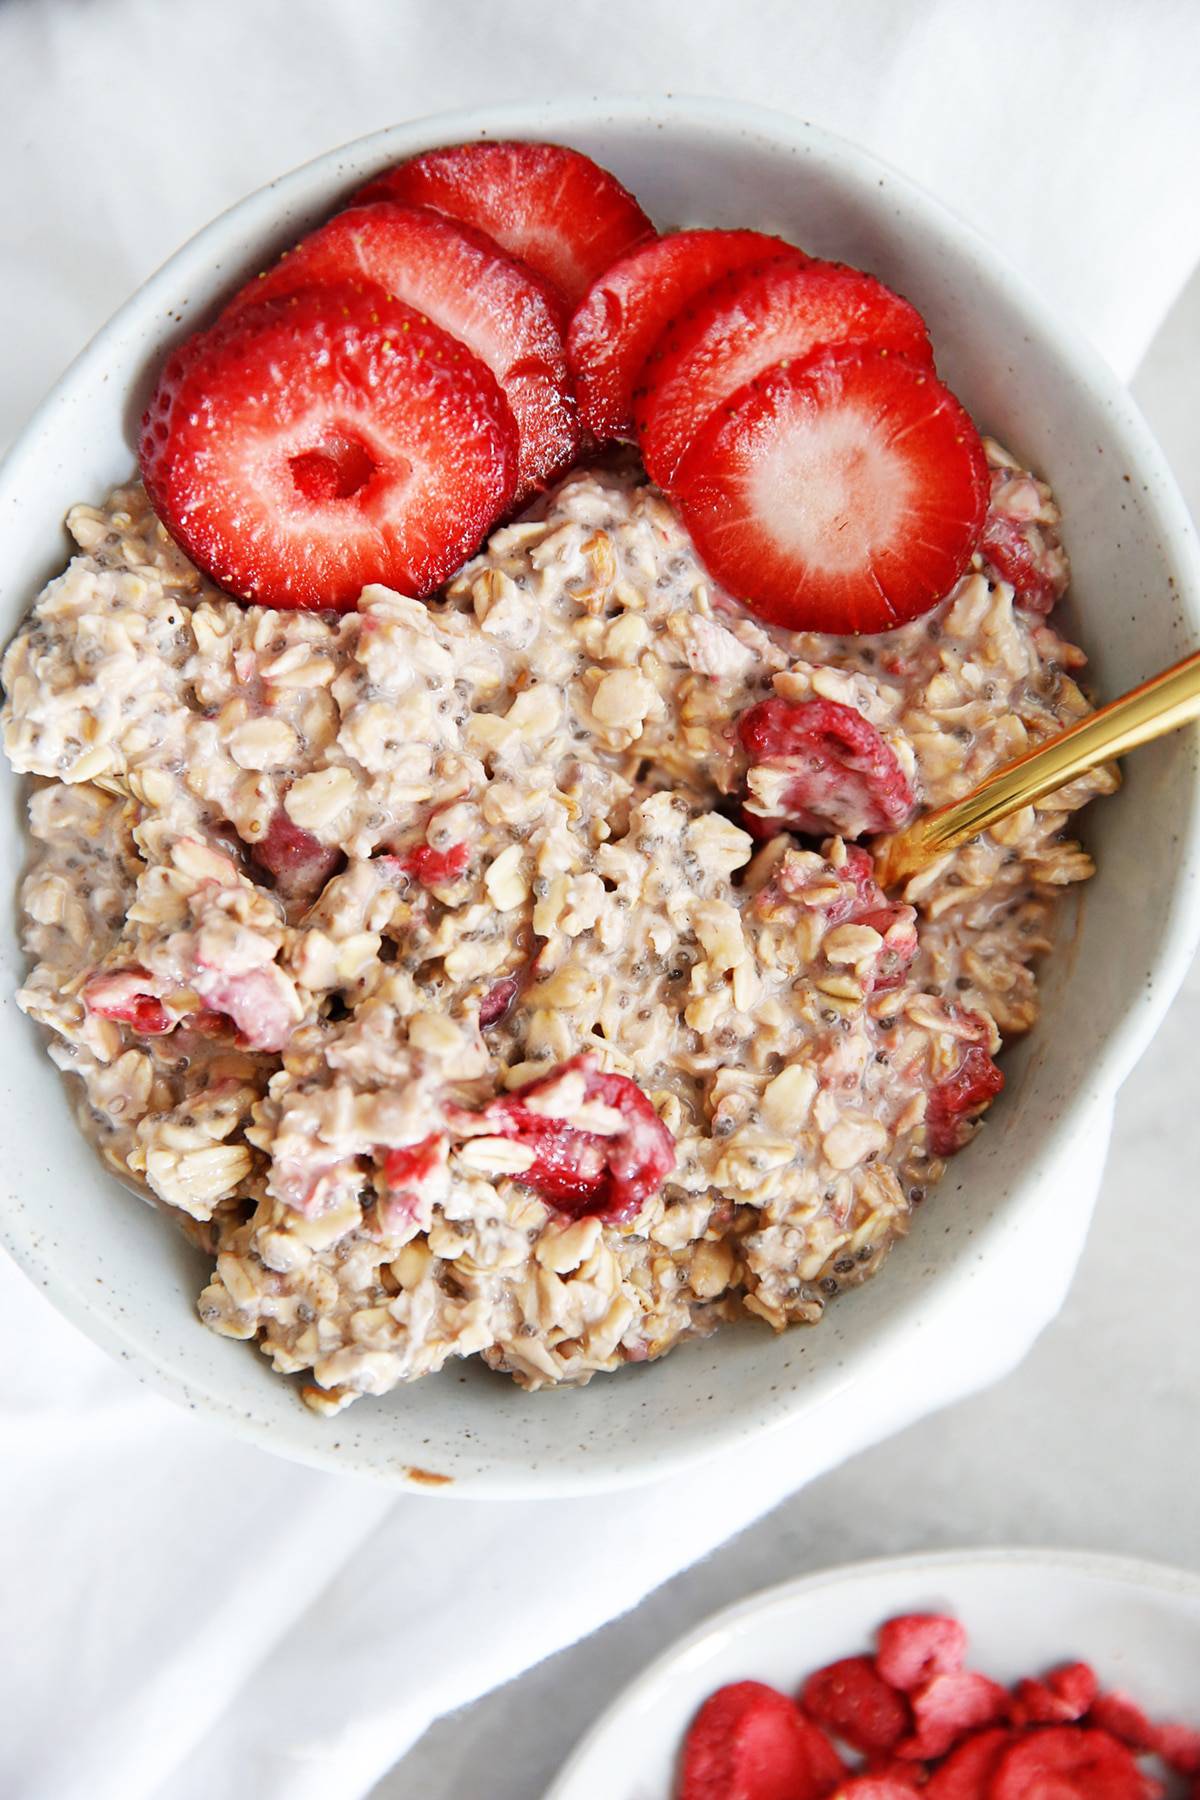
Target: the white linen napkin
pixel 182 1615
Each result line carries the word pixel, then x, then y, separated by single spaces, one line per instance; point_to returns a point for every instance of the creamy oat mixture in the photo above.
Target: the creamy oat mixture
pixel 309 892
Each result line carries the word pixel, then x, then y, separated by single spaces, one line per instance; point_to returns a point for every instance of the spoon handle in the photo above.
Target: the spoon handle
pixel 1162 704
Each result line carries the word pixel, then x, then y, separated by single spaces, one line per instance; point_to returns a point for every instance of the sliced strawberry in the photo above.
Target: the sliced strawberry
pixel 843 776
pixel 307 447
pixel 123 995
pixel 959 1098
pixel 622 315
pixel 744 325
pixel 1059 1762
pixel 749 1742
pixel 914 1647
pixel 298 863
pixel 844 494
pixel 459 279
pixel 852 1701
pixel 554 208
pixel 598 1145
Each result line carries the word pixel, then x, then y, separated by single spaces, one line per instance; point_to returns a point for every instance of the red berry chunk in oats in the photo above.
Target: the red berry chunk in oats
pixel 749 1742
pixel 498 999
pixel 912 1649
pixel 843 775
pixel 122 995
pixel 299 863
pixel 851 1700
pixel 408 1165
pixel 598 1145
pixel 960 1098
pixel 1060 1762
pixel 434 868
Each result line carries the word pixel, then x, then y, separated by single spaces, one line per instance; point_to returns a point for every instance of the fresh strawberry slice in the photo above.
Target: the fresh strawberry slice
pixel 744 325
pixel 843 494
pixel 123 995
pixel 623 314
pixel 598 1145
pixel 1060 1762
pixel 554 208
pixel 853 1702
pixel 461 280
pixel 959 1098
pixel 843 776
pixel 749 1742
pixel 298 863
pixel 307 447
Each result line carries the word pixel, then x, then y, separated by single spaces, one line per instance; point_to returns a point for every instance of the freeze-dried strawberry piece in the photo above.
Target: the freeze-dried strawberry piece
pixel 1069 1762
pixel 913 1648
pixel 433 868
pixel 874 1787
pixel 749 1742
pixel 960 1098
pixel 967 1770
pixel 299 863
pixel 910 1776
pixel 1121 1716
pixel 122 995
pixel 1020 555
pixel 498 1000
pixel 1059 1698
pixel 258 1001
pixel 947 1707
pixel 408 1165
pixel 850 1699
pixel 844 777
pixel 1179 1747
pixel 598 1144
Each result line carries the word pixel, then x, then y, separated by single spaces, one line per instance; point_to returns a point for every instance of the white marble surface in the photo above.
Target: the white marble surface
pixel 1091 1443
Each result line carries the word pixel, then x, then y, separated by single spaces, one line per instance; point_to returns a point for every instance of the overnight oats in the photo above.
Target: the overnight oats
pixel 483 959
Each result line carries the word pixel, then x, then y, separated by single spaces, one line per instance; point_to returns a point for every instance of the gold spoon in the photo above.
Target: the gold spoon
pixel 1162 704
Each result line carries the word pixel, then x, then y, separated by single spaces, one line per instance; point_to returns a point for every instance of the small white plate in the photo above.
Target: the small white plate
pixel 1024 1610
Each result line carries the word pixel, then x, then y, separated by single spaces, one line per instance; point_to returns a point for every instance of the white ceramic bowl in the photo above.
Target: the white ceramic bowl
pixel 1024 1611
pixel 992 1254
